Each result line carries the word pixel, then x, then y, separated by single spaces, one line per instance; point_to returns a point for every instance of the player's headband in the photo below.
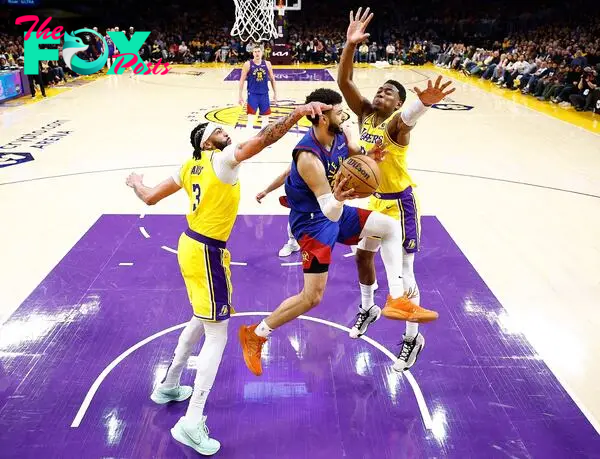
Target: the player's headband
pixel 212 127
pixel 393 87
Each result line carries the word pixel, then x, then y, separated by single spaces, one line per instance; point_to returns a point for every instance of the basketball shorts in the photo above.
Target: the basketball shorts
pixel 317 235
pixel 205 266
pixel 258 103
pixel 402 206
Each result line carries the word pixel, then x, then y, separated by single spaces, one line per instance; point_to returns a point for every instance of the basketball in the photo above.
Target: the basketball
pixel 363 173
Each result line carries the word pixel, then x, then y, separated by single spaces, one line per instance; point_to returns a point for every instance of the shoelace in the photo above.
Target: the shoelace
pixel 255 347
pixel 362 316
pixel 407 348
pixel 202 429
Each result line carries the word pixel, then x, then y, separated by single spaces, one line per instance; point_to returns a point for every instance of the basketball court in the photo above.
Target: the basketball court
pixel 93 302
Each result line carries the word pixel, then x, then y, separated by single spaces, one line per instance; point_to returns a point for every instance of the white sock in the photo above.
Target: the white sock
pixel 411 289
pixel 207 367
pixel 263 329
pixel 195 409
pixel 291 239
pixel 390 232
pixel 412 329
pixel 367 297
pixel 188 339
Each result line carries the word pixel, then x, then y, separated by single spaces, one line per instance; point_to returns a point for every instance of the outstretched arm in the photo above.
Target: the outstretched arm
pixel 355 35
pixel 280 180
pixel 272 78
pixel 400 127
pixel 273 132
pixel 245 70
pixel 151 195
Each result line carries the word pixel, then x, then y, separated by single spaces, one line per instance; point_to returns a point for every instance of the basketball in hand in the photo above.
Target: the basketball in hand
pixel 363 175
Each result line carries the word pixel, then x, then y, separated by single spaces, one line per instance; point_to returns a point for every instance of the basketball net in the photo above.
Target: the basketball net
pixel 254 20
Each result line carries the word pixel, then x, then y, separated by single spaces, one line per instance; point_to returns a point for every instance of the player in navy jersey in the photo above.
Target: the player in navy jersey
pixel 318 219
pixel 258 72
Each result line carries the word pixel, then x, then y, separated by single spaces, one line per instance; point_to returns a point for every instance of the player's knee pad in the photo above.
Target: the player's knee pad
pixel 369 244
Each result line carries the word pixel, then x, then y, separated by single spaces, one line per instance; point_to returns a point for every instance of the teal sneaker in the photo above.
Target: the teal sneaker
pixel 195 436
pixel 177 394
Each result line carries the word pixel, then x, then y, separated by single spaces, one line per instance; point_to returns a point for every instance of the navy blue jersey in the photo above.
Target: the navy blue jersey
pixel 299 195
pixel 258 78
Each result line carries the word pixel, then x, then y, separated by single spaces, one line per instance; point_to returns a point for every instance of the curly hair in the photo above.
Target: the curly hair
pixel 325 96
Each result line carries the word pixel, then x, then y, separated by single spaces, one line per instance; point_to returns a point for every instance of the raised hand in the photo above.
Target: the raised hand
pixel 434 94
pixel 356 30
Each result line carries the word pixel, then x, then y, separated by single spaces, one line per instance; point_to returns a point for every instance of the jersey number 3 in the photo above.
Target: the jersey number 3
pixel 196 191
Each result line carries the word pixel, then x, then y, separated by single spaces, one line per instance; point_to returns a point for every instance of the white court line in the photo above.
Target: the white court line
pixel 142 215
pixel 295 263
pixel 144 232
pixel 351 254
pixel 169 249
pixel 125 264
pixel 425 415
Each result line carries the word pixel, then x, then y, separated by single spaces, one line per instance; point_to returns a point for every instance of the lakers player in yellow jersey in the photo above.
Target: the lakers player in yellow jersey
pixel 387 120
pixel 210 179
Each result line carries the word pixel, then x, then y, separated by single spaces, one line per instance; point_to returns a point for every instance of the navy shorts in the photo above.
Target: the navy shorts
pixel 258 102
pixel 317 235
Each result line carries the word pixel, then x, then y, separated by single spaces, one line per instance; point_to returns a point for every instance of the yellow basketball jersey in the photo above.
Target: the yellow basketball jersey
pixel 213 204
pixel 394 170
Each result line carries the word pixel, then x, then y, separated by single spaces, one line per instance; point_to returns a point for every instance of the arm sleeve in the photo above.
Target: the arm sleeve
pixel 225 166
pixel 331 207
pixel 177 175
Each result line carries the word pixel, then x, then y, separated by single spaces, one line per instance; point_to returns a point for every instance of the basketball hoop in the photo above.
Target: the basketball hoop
pixel 254 19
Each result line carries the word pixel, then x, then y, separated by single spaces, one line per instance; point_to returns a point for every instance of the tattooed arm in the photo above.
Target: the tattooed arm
pixel 273 132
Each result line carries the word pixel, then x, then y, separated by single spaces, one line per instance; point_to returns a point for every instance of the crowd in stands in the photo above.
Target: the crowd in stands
pixel 548 54
pixel 560 65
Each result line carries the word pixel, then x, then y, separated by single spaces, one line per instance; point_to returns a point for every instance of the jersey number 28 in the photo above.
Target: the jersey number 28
pixel 196 191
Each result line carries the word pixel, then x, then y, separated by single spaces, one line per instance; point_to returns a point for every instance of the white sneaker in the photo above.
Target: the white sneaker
pixel 195 436
pixel 290 247
pixel 409 352
pixel 177 394
pixel 363 320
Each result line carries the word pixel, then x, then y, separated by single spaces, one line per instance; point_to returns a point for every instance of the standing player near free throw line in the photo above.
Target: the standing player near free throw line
pixel 386 120
pixel 210 179
pixel 319 219
pixel 258 72
pixel 291 245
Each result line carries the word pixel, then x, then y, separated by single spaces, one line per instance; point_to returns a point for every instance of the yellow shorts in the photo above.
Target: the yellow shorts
pixel 405 207
pixel 207 275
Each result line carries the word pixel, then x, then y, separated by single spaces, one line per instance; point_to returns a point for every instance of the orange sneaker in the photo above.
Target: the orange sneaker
pixel 404 309
pixel 252 347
